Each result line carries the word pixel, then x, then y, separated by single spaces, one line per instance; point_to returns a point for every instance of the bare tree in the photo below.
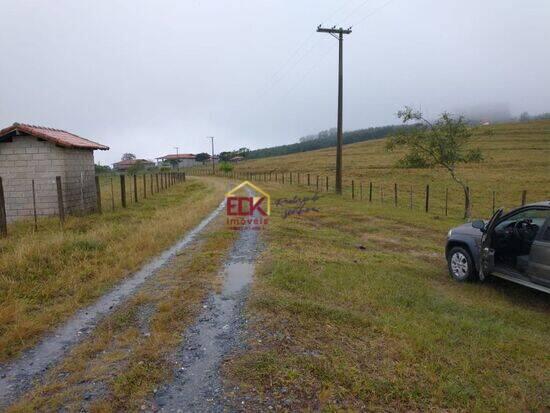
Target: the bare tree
pixel 441 143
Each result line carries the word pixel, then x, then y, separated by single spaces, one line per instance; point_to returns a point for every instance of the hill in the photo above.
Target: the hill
pixel 517 158
pixel 326 139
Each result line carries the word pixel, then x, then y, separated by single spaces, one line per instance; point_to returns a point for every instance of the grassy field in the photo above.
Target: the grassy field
pixel 353 309
pixel 517 158
pixel 46 275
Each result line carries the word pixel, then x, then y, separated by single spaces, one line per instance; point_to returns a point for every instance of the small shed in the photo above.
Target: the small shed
pixel 28 153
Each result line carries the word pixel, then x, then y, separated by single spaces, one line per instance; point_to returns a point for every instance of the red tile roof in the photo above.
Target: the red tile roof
pixel 57 136
pixel 177 156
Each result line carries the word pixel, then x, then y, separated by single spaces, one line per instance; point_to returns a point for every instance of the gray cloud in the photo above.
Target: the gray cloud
pixel 145 76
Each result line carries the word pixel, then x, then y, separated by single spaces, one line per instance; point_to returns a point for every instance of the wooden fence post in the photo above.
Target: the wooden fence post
pixel 112 194
pixel 123 190
pixel 60 206
pixel 352 189
pixel 97 191
pixel 317 183
pixel 523 197
pixel 370 191
pixel 283 177
pixel 427 197
pixel 326 182
pixel 291 178
pixel 308 179
pixel 183 176
pixel 395 194
pixel 144 186
pixel 298 178
pixel 135 189
pixel 34 207
pixel 361 191
pixel 3 219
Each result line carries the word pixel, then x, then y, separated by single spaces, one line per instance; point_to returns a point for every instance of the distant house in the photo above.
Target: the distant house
pixel 181 160
pixel 35 153
pixel 126 164
pixel 236 159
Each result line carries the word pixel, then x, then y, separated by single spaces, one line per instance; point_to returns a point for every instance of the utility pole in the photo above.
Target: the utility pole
pixel 177 148
pixel 213 168
pixel 339 35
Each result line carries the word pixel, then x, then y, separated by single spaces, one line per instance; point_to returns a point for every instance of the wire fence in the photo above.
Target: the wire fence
pixel 77 195
pixel 438 198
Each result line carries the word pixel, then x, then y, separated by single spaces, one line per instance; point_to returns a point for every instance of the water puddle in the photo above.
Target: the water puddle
pixel 16 377
pixel 237 276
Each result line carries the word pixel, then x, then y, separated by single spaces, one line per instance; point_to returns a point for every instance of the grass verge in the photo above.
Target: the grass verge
pixel 46 275
pixel 352 308
pixel 131 352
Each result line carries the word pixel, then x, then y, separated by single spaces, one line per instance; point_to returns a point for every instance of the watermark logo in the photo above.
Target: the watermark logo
pixel 245 211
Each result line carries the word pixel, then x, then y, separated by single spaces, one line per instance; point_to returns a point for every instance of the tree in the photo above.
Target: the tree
pixel 201 157
pixel 225 156
pixel 128 156
pixel 524 117
pixel 101 169
pixel 226 167
pixel 441 143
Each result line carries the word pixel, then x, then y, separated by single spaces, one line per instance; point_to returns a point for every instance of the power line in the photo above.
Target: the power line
pixel 374 12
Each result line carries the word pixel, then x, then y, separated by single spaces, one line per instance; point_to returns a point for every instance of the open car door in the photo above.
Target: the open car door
pixel 487 254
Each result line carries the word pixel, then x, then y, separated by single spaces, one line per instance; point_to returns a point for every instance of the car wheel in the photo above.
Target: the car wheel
pixel 461 266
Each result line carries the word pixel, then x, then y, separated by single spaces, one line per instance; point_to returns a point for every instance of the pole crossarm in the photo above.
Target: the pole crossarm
pixel 333 30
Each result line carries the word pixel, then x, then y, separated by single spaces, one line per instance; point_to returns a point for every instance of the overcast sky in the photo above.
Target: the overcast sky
pixel 146 76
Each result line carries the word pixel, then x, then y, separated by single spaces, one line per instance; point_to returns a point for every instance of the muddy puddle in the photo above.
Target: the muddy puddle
pixel 197 385
pixel 17 376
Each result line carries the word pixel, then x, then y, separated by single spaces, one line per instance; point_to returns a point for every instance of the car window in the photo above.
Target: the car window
pixel 538 216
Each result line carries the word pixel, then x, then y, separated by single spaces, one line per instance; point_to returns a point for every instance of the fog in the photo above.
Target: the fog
pixel 147 76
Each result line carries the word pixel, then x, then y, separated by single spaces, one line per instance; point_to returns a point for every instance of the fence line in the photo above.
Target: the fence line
pixel 437 199
pixel 104 196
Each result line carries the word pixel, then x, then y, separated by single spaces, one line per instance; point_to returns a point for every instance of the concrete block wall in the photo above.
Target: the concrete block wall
pixel 27 158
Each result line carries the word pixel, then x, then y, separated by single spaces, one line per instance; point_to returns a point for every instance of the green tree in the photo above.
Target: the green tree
pixel 128 156
pixel 202 157
pixel 442 143
pixel 225 167
pixel 102 169
pixel 524 117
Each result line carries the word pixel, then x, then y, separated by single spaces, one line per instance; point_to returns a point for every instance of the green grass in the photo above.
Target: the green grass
pixel 517 158
pixel 385 328
pixel 46 275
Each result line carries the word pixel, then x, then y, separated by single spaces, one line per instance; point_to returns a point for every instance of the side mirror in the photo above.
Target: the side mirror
pixel 478 224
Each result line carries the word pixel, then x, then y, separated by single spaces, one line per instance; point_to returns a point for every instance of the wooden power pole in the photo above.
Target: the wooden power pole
pixel 213 167
pixel 339 35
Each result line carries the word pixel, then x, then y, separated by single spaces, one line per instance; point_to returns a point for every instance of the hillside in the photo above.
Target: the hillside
pixel 517 158
pixel 326 140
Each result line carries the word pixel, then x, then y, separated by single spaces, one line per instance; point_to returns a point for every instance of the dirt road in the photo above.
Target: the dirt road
pixel 18 376
pixel 197 385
